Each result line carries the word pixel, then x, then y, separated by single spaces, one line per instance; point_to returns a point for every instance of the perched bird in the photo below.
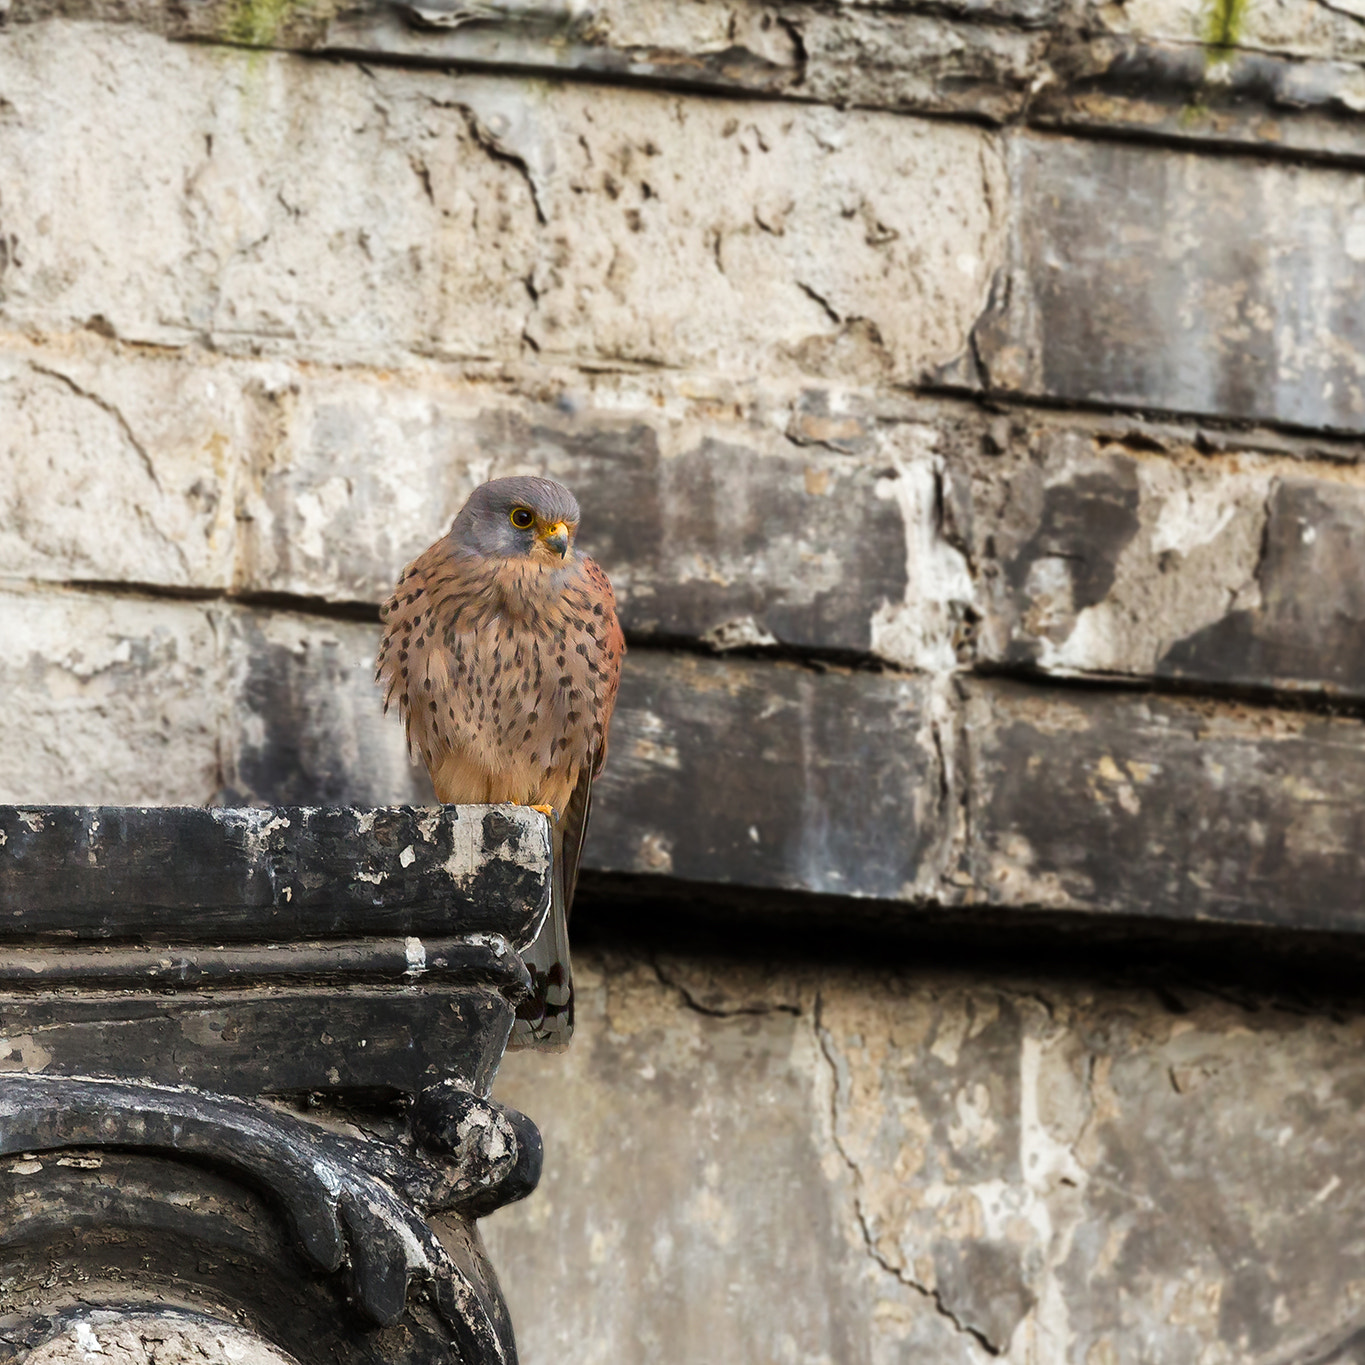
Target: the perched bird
pixel 502 651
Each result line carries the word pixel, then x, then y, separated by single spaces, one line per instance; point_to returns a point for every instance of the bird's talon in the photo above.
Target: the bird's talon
pixel 547 810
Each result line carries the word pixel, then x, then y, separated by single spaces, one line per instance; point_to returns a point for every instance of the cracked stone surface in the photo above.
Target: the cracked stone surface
pixel 605 225
pixel 118 473
pixel 818 1164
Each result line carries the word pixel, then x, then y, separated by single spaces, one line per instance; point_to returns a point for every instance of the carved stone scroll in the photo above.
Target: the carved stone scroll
pixel 294 1080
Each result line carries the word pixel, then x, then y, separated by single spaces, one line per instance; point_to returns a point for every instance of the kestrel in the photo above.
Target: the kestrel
pixel 502 650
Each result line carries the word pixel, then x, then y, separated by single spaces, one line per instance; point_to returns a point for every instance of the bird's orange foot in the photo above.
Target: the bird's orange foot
pixel 547 810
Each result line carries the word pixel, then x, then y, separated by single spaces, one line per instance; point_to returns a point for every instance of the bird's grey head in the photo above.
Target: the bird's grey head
pixel 517 518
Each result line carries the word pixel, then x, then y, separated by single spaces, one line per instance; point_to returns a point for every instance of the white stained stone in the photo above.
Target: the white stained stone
pixel 166 1338
pixel 117 468
pixel 108 700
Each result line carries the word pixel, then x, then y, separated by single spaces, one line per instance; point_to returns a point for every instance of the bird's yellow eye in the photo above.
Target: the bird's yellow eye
pixel 522 518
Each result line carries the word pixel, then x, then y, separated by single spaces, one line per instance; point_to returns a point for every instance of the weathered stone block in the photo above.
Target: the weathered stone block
pixel 746 46
pixel 1286 77
pixel 155 189
pixel 306 723
pixel 1104 557
pixel 768 774
pixel 179 1340
pixel 204 877
pixel 741 236
pixel 108 700
pixel 1148 806
pixel 117 468
pixel 613 225
pixel 936 1167
pixel 132 701
pixel 1155 278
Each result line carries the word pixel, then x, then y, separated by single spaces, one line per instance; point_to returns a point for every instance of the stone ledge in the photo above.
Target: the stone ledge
pixel 746 772
pixel 289 873
pixel 1287 82
pixel 1178 808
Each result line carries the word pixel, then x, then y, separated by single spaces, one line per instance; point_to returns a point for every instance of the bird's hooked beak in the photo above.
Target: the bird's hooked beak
pixel 556 538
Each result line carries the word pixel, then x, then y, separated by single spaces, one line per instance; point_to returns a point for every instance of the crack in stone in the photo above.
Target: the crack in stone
pixel 498 148
pixel 932 1296
pixel 1263 551
pixel 712 1012
pixel 1339 8
pixel 108 407
pixel 144 517
pixel 816 297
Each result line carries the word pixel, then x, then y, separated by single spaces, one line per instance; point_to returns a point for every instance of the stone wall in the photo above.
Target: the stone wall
pixel 967 400
pixel 749 1161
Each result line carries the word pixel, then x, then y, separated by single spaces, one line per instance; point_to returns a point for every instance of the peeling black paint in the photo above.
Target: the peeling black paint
pixel 192 875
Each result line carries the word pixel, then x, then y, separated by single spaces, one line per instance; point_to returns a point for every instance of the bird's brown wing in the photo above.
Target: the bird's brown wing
pixel 611 642
pixel 572 830
pixel 546 1018
pixel 573 824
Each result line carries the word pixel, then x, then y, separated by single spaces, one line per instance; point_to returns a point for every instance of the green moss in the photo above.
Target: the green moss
pixel 257 23
pixel 1223 28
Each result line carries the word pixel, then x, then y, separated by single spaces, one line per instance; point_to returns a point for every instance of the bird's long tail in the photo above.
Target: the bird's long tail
pixel 545 1019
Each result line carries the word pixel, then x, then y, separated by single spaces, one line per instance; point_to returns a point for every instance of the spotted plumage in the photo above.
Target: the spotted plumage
pixel 502 652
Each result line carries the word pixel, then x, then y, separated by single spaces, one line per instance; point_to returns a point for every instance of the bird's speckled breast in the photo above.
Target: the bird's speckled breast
pixel 505 671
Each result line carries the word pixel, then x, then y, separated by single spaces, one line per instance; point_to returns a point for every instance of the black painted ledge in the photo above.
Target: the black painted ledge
pixel 297 1013
pixel 914 797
